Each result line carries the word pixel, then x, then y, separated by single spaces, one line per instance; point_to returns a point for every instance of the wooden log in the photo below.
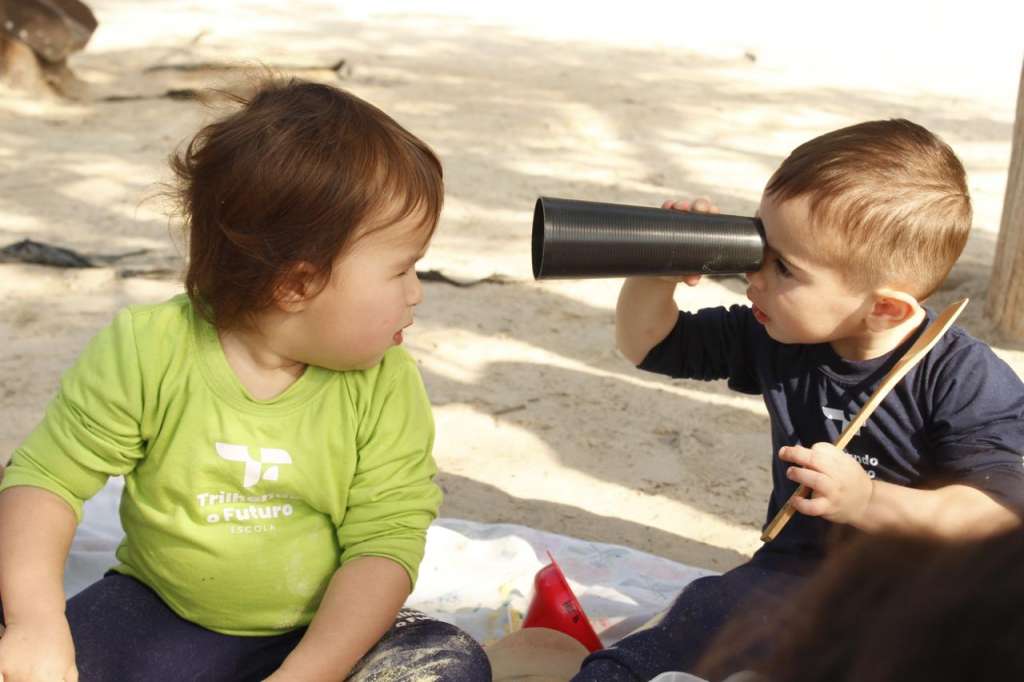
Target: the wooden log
pixel 1004 303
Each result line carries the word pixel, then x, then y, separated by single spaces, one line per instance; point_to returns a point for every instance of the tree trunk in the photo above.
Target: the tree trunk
pixel 1005 302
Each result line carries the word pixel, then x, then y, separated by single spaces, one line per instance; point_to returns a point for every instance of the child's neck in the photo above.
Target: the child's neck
pixel 261 370
pixel 875 343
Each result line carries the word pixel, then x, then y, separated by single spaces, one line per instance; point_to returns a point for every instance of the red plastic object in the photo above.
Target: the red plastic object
pixel 555 606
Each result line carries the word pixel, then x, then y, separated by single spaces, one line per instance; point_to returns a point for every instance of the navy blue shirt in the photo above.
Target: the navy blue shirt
pixel 956 417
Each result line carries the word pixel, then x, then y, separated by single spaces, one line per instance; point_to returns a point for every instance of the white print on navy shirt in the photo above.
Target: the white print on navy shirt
pixel 864 460
pixel 248 513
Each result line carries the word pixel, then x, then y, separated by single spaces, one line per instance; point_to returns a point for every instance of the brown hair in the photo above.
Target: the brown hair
pixel 888 203
pixel 294 176
pixel 888 608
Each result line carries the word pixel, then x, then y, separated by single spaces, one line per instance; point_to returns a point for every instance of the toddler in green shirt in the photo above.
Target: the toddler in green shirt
pixel 274 437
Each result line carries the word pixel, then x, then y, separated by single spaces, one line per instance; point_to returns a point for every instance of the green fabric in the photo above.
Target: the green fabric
pixel 237 511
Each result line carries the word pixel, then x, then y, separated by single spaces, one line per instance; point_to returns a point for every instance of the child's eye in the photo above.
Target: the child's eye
pixel 780 267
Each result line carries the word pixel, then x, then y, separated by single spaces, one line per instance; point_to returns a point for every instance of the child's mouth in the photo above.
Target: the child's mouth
pixel 759 315
pixel 400 335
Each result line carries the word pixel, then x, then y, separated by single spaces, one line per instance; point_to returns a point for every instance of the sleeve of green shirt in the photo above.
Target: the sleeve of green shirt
pixel 393 497
pixel 91 429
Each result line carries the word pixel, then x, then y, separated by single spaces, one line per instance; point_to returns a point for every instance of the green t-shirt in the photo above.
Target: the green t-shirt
pixel 237 511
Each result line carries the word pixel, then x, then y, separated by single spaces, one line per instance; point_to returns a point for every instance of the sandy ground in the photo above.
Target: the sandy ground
pixel 540 421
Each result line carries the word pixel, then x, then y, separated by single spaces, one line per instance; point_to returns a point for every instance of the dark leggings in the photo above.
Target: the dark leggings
pixel 699 612
pixel 124 632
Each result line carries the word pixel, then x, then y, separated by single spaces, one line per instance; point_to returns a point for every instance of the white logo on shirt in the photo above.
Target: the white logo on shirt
pixel 865 461
pixel 836 415
pixel 254 472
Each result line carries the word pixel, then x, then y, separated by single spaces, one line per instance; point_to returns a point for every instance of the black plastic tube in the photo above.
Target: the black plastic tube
pixel 579 239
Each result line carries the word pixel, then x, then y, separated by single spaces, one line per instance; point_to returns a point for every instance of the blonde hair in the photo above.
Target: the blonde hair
pixel 888 203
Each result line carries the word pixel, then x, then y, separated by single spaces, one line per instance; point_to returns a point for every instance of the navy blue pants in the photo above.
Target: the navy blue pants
pixel 123 632
pixel 699 612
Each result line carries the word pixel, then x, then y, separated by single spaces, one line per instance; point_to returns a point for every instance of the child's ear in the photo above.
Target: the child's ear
pixel 295 287
pixel 891 309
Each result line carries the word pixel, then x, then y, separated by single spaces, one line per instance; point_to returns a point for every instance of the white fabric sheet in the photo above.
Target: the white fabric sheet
pixel 478 576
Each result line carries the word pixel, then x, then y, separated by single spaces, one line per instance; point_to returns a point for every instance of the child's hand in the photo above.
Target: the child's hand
pixel 840 488
pixel 699 205
pixel 38 651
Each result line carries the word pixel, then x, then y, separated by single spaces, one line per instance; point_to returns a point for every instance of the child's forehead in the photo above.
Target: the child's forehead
pixel 788 228
pixel 405 233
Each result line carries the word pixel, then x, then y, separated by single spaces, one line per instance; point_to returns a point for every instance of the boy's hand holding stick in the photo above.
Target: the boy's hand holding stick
pixel 913 355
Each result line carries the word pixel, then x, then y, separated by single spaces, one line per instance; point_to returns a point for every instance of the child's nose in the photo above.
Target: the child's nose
pixel 414 290
pixel 756 278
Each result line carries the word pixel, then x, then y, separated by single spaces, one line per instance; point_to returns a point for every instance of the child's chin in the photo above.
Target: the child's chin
pixel 355 365
pixel 370 364
pixel 794 340
pixel 780 338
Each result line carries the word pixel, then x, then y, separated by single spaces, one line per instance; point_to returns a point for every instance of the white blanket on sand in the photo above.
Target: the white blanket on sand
pixel 478 576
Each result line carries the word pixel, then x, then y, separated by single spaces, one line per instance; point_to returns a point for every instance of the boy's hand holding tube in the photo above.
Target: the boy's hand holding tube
pixel 700 205
pixel 646 310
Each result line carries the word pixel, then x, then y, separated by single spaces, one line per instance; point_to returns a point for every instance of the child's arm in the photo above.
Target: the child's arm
pixel 361 603
pixel 392 500
pixel 646 311
pixel 36 528
pixel 842 492
pixel 91 431
pixel 644 315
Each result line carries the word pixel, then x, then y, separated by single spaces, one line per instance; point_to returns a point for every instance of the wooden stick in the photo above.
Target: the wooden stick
pixel 913 355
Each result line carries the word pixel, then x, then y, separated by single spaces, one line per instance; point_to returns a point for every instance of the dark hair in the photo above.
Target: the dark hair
pixel 888 202
pixel 895 608
pixel 292 177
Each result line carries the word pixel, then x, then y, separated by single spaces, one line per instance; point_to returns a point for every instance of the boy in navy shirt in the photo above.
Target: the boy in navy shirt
pixel 861 225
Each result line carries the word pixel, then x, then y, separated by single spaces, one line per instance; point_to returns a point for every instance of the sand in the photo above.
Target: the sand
pixel 540 421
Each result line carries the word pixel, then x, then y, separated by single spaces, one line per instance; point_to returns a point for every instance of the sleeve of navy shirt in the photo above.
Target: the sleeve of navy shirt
pixel 713 343
pixel 976 426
